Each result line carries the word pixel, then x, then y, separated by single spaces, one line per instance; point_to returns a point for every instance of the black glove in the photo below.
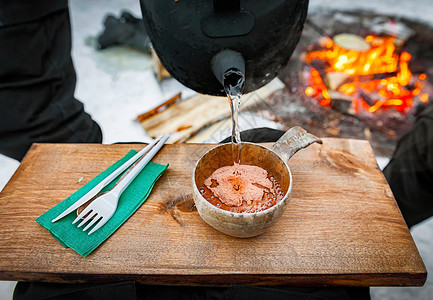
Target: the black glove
pixel 127 30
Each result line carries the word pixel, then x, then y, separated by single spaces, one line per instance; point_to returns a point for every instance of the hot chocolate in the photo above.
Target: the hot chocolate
pixel 241 188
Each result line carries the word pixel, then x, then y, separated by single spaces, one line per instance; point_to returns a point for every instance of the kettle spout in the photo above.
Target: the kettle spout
pixel 226 60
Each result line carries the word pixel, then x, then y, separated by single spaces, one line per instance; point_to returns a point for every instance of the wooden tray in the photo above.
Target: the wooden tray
pixel 342 226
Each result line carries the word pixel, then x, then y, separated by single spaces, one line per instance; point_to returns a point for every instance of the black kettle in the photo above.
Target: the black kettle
pixel 197 41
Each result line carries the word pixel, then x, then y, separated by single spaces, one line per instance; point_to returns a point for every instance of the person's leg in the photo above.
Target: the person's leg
pixel 239 292
pixel 63 291
pixel 410 170
pixel 37 84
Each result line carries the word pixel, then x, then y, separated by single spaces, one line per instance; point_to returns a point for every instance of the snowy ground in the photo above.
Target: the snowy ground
pixel 116 85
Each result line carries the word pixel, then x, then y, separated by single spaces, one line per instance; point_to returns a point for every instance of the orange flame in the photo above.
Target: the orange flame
pixel 367 69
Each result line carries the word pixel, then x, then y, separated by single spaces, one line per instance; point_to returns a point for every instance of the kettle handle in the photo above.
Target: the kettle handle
pixel 220 5
pixel 295 139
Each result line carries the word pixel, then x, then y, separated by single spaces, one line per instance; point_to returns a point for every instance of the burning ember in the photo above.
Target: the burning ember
pixel 372 72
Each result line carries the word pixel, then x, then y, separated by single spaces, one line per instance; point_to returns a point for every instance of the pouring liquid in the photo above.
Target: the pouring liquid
pixel 230 188
pixel 234 82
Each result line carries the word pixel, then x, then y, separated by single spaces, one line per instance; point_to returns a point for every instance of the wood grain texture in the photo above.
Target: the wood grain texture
pixel 342 226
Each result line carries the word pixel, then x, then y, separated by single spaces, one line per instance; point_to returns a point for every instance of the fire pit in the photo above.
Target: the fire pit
pixel 371 73
pixel 357 75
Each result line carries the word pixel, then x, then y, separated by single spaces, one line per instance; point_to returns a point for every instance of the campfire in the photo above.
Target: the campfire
pixel 357 74
pixel 373 73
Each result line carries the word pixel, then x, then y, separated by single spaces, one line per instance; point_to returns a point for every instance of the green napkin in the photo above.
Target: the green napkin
pixel 132 198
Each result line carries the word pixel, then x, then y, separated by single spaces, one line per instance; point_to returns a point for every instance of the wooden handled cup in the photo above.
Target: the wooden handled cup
pixel 273 160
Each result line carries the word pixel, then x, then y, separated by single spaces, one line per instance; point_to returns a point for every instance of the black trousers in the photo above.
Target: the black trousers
pixel 410 170
pixel 37 80
pixel 133 291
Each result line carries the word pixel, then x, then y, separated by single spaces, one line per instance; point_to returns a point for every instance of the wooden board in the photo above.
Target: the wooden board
pixel 342 226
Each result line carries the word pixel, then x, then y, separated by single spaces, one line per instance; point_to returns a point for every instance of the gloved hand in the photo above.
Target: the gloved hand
pixel 127 30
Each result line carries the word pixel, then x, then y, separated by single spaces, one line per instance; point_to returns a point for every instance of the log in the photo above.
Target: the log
pixel 184 119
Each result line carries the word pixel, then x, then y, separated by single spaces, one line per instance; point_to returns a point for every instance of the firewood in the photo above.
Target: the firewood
pixel 333 80
pixel 183 119
pixel 155 110
pixel 351 42
pixel 158 68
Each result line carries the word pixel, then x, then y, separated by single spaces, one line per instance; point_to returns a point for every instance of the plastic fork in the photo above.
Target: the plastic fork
pixel 102 208
pixel 94 191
